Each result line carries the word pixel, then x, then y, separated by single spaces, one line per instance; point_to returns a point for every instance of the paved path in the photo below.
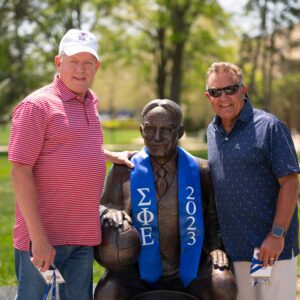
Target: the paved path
pixel 3 149
pixel 9 292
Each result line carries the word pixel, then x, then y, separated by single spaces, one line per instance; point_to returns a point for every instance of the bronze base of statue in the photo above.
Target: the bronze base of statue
pixel 163 295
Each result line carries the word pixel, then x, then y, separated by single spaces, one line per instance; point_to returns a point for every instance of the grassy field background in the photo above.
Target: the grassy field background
pixel 7 203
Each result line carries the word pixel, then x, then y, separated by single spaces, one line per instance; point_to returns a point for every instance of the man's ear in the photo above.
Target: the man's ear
pixel 244 89
pixel 98 65
pixel 57 62
pixel 141 130
pixel 180 132
pixel 207 95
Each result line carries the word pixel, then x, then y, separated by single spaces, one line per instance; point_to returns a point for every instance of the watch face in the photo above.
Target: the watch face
pixel 278 231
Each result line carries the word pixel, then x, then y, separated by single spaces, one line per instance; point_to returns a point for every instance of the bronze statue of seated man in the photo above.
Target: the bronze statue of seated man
pixel 169 198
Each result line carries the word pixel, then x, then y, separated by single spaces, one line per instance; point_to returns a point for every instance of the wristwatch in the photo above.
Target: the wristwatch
pixel 278 231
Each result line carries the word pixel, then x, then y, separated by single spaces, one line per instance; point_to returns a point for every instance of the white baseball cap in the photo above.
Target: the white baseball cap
pixel 77 41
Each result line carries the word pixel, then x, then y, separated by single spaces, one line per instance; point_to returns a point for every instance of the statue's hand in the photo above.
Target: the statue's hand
pixel 219 258
pixel 114 217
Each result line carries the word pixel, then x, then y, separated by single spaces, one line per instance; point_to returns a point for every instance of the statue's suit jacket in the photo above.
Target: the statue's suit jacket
pixel 117 195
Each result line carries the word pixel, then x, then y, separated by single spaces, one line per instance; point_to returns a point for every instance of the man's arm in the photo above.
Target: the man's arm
pixel 120 158
pixel 25 193
pixel 212 238
pixel 115 200
pixel 285 208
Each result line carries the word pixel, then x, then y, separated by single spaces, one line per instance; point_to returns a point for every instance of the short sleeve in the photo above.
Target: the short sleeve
pixel 282 150
pixel 27 133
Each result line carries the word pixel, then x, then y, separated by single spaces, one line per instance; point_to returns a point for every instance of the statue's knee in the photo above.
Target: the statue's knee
pixel 219 285
pixel 108 290
pixel 223 285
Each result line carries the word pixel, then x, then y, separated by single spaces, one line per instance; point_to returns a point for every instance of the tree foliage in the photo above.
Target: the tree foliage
pixel 30 33
pixel 265 49
pixel 164 45
pixel 286 99
pixel 15 67
pixel 170 33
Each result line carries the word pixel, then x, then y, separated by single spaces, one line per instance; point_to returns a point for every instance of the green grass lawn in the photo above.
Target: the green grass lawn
pixel 6 223
pixel 111 136
pixel 4 134
pixel 120 136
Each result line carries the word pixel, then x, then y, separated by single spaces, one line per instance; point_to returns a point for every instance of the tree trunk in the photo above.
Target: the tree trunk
pixel 264 35
pixel 180 27
pixel 255 58
pixel 176 81
pixel 272 52
pixel 161 63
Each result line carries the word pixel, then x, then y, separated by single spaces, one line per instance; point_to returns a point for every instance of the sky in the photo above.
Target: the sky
pixel 236 7
pixel 233 5
pixel 249 23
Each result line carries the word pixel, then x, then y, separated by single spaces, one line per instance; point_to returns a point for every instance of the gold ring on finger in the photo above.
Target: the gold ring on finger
pixel 41 263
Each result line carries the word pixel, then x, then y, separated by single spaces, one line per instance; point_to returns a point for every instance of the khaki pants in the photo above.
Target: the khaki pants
pixel 283 282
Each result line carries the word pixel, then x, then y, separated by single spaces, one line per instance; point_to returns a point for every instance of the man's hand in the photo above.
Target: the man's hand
pixel 270 249
pixel 114 217
pixel 120 158
pixel 43 254
pixel 219 258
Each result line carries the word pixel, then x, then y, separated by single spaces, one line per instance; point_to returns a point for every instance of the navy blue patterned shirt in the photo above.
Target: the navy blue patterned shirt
pixel 245 166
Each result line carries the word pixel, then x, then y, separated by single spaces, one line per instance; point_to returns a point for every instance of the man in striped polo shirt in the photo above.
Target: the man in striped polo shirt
pixel 58 170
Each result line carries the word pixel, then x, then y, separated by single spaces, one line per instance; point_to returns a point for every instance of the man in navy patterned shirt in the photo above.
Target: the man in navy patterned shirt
pixel 255 170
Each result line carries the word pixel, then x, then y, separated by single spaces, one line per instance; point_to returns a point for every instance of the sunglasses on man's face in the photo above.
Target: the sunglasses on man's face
pixel 228 90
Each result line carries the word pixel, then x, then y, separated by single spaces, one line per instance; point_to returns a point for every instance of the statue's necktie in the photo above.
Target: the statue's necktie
pixel 161 181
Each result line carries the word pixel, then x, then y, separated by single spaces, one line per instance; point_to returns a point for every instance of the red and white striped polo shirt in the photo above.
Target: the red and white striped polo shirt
pixel 61 137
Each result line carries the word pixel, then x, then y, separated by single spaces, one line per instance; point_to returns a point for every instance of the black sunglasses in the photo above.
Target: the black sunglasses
pixel 228 90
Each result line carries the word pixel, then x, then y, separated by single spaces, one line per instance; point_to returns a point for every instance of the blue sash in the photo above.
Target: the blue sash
pixel 144 215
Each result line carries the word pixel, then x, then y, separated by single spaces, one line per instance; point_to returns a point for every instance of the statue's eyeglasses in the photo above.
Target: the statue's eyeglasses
pixel 150 131
pixel 228 90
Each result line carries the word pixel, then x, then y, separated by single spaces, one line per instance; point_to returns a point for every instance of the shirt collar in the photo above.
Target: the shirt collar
pixel 66 94
pixel 247 111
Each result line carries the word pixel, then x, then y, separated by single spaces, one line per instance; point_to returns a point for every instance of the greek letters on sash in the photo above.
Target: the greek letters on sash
pixel 145 219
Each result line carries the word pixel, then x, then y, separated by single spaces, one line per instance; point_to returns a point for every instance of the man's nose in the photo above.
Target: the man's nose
pixel 158 134
pixel 223 95
pixel 80 67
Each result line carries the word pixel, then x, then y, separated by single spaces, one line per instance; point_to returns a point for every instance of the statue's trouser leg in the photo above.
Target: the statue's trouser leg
pixel 120 285
pixel 213 283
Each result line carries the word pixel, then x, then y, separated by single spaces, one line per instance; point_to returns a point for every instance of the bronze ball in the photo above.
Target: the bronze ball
pixel 120 246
